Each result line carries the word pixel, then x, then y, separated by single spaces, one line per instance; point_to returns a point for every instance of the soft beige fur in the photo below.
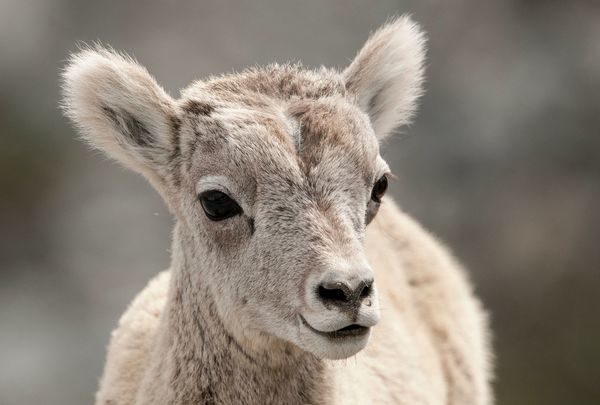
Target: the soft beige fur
pixel 238 317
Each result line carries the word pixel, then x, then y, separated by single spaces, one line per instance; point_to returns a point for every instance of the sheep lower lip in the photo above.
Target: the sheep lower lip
pixel 353 330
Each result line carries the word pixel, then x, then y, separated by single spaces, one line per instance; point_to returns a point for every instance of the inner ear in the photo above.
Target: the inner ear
pixel 130 127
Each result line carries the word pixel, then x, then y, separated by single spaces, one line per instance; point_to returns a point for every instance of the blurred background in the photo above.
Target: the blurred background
pixel 502 163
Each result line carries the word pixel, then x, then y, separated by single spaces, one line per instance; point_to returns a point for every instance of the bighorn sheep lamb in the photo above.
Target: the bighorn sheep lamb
pixel 286 256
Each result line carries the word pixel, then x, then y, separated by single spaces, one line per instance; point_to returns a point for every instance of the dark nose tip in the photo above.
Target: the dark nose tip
pixel 341 294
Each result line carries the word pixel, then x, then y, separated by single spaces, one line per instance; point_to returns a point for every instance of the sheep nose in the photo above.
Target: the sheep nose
pixel 342 293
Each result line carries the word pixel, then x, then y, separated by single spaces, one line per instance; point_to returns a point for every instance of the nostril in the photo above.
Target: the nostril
pixel 331 293
pixel 365 291
pixel 341 294
pixel 365 288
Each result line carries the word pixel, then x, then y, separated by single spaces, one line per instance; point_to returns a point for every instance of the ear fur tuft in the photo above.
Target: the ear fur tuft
pixel 387 74
pixel 119 108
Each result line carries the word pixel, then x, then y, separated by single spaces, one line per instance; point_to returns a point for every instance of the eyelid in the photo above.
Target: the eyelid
pixel 215 187
pixel 224 185
pixel 219 183
pixel 382 169
pixel 387 173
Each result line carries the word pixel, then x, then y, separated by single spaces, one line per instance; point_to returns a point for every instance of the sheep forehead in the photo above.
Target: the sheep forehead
pixel 279 124
pixel 319 140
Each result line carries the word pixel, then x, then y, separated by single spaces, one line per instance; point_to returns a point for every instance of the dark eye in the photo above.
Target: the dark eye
pixel 379 189
pixel 218 206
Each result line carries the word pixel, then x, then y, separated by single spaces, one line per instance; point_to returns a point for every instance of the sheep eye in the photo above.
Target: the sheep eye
pixel 218 206
pixel 379 189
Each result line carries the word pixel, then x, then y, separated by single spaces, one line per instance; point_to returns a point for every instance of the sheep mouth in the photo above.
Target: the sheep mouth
pixel 353 330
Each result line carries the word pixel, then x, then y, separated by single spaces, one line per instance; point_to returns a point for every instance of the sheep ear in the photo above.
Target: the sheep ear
pixel 121 110
pixel 387 74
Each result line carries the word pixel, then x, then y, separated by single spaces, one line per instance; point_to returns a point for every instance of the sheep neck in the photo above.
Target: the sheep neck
pixel 196 360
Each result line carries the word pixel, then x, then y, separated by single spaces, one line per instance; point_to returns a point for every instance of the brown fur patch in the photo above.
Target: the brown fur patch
pixel 195 107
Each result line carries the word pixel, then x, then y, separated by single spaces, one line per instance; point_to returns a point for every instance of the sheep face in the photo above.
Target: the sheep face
pixel 272 174
pixel 277 202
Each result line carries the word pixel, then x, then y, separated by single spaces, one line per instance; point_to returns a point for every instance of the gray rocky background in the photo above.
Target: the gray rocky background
pixel 502 163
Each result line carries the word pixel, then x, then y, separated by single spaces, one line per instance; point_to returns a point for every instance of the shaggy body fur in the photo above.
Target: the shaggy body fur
pixel 238 317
